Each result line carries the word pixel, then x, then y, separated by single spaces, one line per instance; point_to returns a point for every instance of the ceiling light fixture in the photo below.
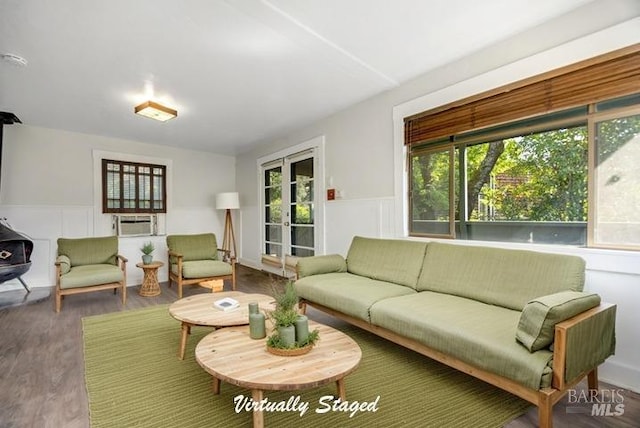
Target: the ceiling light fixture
pixel 155 111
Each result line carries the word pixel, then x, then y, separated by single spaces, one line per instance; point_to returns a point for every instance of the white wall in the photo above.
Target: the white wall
pixel 364 155
pixel 48 190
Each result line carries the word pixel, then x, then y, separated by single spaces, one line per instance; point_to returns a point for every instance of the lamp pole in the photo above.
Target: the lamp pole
pixel 229 241
pixel 228 201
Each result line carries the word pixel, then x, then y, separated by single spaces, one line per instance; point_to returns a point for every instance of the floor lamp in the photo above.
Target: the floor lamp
pixel 228 201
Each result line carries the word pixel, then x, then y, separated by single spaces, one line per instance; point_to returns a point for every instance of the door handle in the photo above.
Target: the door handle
pixel 286 223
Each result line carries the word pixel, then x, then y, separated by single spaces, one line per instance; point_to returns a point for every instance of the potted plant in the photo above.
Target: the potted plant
pixel 285 318
pixel 147 250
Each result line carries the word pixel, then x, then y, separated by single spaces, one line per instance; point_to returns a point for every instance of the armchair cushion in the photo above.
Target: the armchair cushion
pixel 194 247
pixel 89 251
pixel 203 269
pixel 88 275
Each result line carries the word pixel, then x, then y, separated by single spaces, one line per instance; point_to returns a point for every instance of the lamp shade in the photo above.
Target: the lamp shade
pixel 227 201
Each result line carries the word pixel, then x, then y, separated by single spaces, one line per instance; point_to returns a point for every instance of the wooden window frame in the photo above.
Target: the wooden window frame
pixel 138 201
pixel 584 84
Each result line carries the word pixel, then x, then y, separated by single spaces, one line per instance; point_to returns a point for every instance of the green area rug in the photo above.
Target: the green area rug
pixel 134 379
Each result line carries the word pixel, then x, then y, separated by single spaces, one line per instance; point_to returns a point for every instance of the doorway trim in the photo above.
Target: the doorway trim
pixel 317 145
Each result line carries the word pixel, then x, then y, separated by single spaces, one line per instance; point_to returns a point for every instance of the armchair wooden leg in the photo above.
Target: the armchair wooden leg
pixel 124 294
pixel 58 300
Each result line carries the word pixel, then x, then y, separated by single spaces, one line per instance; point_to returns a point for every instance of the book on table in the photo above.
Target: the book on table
pixel 226 304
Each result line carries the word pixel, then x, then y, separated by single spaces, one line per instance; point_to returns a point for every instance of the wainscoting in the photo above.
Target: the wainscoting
pixel 45 224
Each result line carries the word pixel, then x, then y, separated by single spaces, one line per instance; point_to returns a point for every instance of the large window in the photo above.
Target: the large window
pixel 129 187
pixel 559 176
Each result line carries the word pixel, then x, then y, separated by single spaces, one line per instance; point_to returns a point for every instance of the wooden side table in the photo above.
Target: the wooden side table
pixel 150 286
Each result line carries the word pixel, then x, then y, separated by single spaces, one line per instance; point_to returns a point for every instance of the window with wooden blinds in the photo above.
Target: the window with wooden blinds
pixel 607 76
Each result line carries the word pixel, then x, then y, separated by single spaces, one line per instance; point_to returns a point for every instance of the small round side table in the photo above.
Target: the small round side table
pixel 150 286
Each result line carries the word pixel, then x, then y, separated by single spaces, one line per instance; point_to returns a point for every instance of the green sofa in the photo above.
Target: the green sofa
pixel 89 264
pixel 517 319
pixel 194 259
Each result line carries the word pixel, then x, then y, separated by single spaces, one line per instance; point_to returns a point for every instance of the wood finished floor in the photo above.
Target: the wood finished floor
pixel 42 365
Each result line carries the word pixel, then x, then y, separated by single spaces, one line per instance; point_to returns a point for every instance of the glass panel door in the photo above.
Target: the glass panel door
pixel 301 233
pixel 273 211
pixel 289 209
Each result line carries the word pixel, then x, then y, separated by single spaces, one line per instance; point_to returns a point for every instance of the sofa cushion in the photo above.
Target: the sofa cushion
pixel 194 247
pixel 89 251
pixel 315 265
pixel 477 333
pixel 348 293
pixel 88 275
pixel 498 276
pixel 392 260
pixel 536 328
pixel 203 269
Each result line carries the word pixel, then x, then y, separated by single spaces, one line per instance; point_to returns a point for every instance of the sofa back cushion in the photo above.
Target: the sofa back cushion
pixel 194 247
pixel 508 278
pixel 89 251
pixel 392 260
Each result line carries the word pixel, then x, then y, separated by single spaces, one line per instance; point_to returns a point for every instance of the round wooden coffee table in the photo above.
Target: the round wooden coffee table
pixel 231 356
pixel 199 310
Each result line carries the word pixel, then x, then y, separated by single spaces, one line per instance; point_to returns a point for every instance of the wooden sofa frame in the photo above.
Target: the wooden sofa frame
pixel 544 399
pixel 178 279
pixel 122 285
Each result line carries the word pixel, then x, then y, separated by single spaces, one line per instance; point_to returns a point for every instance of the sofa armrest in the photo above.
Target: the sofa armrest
pixel 317 265
pixel 582 343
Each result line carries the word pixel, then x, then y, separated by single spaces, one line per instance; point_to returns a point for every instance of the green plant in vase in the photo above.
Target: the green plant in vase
pixel 147 250
pixel 284 319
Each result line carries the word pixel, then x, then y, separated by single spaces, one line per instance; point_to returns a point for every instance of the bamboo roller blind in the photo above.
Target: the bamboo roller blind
pixel 606 76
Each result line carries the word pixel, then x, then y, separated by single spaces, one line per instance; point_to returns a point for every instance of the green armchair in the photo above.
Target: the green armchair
pixel 89 264
pixel 194 259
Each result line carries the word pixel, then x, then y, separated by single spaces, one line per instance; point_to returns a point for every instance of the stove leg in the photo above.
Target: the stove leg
pixel 26 287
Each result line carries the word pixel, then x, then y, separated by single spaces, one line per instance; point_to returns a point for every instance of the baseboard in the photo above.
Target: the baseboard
pixel 250 263
pixel 620 375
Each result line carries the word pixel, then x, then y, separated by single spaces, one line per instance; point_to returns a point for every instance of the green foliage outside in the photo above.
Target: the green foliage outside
pixel 537 177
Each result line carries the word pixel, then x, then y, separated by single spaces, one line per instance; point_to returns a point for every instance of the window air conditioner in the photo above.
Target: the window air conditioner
pixel 136 225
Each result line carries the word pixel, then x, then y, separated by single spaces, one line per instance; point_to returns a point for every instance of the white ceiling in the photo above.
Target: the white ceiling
pixel 237 71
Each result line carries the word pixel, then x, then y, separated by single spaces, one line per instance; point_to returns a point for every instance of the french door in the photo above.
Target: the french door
pixel 289 192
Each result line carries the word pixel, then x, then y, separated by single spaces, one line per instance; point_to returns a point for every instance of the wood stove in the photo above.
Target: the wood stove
pixel 15 248
pixel 15 254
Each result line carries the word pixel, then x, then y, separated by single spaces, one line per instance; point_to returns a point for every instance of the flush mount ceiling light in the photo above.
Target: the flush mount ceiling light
pixel 155 111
